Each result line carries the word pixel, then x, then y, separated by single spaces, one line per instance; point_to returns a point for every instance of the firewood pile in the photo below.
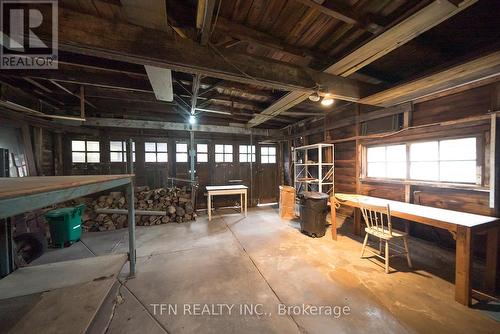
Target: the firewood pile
pixel 166 205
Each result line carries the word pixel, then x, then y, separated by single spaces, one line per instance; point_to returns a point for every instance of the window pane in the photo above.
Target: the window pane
pixel 243 149
pixel 264 150
pixel 427 171
pixel 181 147
pixel 253 157
pixel 243 157
pixel 228 157
pixel 272 150
pixel 181 157
pixel 133 146
pixel 272 159
pixel 458 171
pixel 203 148
pixel 376 169
pixel 116 157
pixel 458 149
pixel 78 157
pixel 253 148
pixel 219 157
pixel 161 157
pixel 150 157
pixel 396 153
pixel 150 147
pixel 375 154
pixel 93 146
pixel 77 145
pixel 219 148
pixel 228 149
pixel 116 146
pixel 161 147
pixel 93 157
pixel 396 170
pixel 264 159
pixel 424 151
pixel 202 157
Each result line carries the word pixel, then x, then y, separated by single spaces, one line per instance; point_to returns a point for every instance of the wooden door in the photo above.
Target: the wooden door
pixel 268 174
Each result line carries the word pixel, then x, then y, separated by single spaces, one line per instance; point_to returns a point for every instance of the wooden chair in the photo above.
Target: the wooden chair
pixel 378 224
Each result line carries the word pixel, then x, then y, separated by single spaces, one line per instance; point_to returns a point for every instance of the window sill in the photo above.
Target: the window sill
pixel 449 185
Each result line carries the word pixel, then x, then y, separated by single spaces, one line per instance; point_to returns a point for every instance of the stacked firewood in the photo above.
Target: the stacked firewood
pixel 165 204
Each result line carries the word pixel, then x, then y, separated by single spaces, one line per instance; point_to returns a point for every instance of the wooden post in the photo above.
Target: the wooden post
pixel 463 265
pixel 333 212
pixel 491 260
pixel 357 212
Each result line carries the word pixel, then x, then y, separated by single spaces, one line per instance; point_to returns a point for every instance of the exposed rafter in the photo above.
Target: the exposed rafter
pixel 421 21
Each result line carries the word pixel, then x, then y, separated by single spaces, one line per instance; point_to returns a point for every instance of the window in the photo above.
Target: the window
pixel 118 151
pixel 85 151
pixel 181 154
pixel 201 152
pixel 386 161
pixel 247 153
pixel 156 152
pixel 223 153
pixel 452 160
pixel 268 155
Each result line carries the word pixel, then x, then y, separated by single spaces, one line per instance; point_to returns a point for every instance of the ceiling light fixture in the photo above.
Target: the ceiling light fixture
pixel 314 97
pixel 327 101
pixel 192 119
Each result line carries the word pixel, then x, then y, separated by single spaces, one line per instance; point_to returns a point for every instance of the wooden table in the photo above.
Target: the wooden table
pixel 22 194
pixel 462 225
pixel 226 190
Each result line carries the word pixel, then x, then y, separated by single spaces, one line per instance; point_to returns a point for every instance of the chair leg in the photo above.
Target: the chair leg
pixel 386 257
pixel 364 245
pixel 407 249
pixel 379 246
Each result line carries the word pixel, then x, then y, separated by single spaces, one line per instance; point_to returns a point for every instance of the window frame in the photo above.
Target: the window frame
pixel 275 155
pixel 123 151
pixel 224 153
pixel 252 154
pixel 480 166
pixel 199 153
pixel 85 151
pixel 155 152
pixel 177 152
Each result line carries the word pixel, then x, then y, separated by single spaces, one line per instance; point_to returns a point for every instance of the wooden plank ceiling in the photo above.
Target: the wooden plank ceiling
pixel 249 39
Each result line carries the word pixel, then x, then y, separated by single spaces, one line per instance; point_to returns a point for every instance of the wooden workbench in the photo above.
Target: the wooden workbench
pixel 22 194
pixel 238 189
pixel 462 225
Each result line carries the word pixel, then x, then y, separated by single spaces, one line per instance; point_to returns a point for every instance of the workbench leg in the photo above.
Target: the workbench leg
pixel 491 259
pixel 463 266
pixel 333 214
pixel 131 228
pixel 357 222
pixel 246 204
pixel 241 203
pixel 209 206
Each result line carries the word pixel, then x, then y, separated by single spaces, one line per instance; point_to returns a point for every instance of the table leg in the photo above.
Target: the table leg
pixel 333 214
pixel 131 228
pixel 491 259
pixel 209 206
pixel 241 202
pixel 246 203
pixel 463 265
pixel 357 221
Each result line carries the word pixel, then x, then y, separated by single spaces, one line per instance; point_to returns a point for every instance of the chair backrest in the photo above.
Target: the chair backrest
pixel 377 218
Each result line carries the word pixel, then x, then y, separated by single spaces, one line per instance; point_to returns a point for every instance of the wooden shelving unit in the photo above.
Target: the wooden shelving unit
pixel 314 168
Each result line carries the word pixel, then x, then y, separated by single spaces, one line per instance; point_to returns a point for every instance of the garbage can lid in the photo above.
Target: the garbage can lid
pixel 314 195
pixel 61 212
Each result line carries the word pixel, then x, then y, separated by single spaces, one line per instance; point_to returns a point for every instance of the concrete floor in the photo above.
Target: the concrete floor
pixel 262 260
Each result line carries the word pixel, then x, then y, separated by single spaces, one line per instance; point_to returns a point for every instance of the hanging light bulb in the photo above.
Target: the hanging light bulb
pixel 327 101
pixel 314 97
pixel 192 119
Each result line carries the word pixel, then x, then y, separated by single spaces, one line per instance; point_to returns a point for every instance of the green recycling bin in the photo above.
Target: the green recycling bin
pixel 65 225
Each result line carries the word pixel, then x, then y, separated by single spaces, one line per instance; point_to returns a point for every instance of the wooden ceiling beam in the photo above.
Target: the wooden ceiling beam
pixel 342 13
pixel 426 18
pixel 90 35
pixel 472 71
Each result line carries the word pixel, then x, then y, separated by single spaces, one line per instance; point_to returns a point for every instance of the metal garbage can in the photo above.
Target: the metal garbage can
pixel 65 225
pixel 313 210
